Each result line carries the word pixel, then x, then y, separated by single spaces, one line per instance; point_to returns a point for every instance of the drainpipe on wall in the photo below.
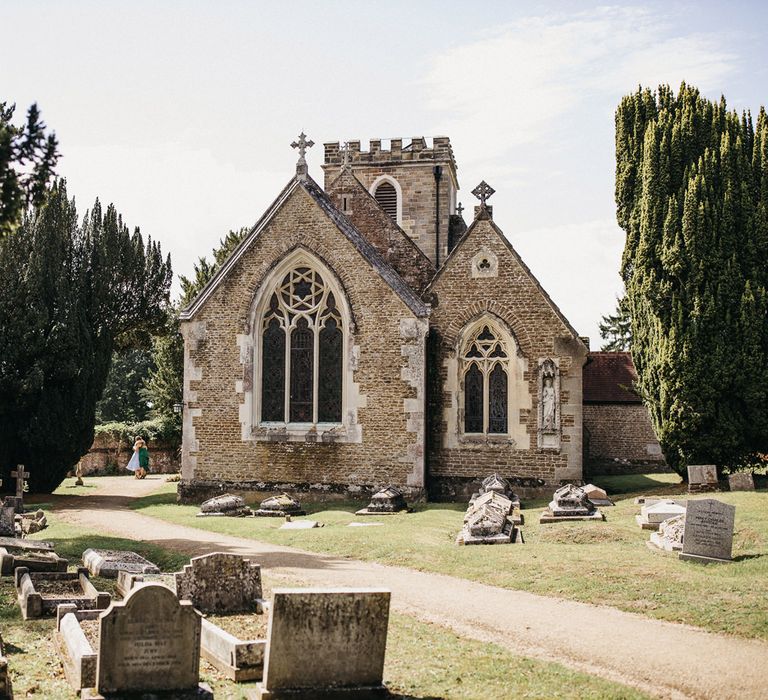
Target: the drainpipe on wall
pixel 437 171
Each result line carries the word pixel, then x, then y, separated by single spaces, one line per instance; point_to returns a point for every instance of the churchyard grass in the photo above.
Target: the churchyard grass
pixel 604 563
pixel 423 660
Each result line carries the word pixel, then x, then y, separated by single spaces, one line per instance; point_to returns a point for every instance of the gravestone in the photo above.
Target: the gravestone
pixel 279 507
pixel 224 505
pixel 325 641
pixel 651 516
pixel 489 520
pixel 597 496
pixel 109 562
pixel 388 500
pixel 702 477
pixel 221 583
pixel 570 502
pixel 708 535
pixel 741 481
pixel 34 560
pixel 7 521
pixel 149 643
pixel 669 536
pixel 30 523
pixel 21 475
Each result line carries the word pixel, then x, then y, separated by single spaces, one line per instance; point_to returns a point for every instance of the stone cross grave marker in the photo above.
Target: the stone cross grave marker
pixel 150 643
pixel 326 640
pixel 221 583
pixel 708 535
pixel 20 475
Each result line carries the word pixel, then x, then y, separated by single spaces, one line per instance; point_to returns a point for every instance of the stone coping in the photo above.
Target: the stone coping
pixel 239 660
pixel 548 517
pixel 34 603
pixel 34 560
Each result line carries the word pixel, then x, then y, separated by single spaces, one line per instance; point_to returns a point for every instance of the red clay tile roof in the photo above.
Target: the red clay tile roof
pixel 608 378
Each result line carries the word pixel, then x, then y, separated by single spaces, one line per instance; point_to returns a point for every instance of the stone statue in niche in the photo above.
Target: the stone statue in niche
pixel 549 404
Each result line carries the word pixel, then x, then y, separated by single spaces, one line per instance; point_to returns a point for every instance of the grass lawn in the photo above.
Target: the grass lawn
pixel 423 660
pixel 602 563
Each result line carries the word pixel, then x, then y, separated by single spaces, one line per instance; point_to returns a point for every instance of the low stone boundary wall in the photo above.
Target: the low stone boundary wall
pixel 108 455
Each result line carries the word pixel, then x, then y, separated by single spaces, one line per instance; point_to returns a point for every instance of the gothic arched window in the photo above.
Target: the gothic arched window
pixel 386 191
pixel 301 351
pixel 485 377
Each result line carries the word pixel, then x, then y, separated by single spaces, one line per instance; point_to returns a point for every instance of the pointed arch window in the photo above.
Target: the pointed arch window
pixel 485 377
pixel 302 351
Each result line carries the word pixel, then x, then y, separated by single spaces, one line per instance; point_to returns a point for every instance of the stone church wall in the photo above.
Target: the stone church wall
pixel 619 439
pixel 384 442
pixel 507 292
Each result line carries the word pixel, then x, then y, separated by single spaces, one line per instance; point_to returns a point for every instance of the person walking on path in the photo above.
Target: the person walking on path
pixel 139 463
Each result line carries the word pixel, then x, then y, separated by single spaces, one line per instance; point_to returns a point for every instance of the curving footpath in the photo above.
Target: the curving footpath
pixel 664 659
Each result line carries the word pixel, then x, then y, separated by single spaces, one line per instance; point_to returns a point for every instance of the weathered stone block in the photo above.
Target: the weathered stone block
pixel 109 562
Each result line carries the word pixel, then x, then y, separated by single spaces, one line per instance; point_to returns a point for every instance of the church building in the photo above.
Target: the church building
pixel 362 334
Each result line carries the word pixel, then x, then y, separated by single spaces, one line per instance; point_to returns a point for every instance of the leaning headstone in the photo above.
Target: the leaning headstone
pixel 149 643
pixel 224 505
pixel 7 521
pixel 597 496
pixel 669 536
pixel 221 583
pixel 741 481
pixel 708 535
pixel 279 507
pixel 651 516
pixel 702 477
pixel 388 501
pixel 109 562
pixel 570 502
pixel 325 641
pixel 30 523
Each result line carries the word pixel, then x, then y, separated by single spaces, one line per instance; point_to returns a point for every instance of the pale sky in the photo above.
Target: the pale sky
pixel 181 113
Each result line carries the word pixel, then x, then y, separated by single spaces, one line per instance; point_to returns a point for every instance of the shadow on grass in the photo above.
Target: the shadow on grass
pixel 629 483
pixel 744 557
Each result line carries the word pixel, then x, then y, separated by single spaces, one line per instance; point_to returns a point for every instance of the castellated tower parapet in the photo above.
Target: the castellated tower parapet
pixel 415 183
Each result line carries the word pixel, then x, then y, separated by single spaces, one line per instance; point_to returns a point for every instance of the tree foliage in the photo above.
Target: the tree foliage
pixel 27 159
pixel 616 328
pixel 69 290
pixel 692 197
pixel 122 399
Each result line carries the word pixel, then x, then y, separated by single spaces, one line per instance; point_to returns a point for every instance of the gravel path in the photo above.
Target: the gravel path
pixel 665 659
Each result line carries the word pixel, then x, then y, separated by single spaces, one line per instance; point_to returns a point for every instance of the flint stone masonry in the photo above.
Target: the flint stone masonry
pixel 702 477
pixel 741 481
pixel 708 535
pixel 34 560
pixel 59 588
pixel 221 583
pixel 149 643
pixel 108 563
pixel 325 641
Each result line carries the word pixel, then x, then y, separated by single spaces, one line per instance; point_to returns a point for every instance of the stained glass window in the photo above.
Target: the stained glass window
pixel 290 365
pixel 486 382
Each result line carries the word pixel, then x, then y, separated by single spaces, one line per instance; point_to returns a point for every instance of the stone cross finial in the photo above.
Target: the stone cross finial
pixel 345 155
pixel 20 475
pixel 302 144
pixel 483 192
pixel 460 209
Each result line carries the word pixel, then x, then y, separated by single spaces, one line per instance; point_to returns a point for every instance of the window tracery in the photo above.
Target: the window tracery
pixel 485 373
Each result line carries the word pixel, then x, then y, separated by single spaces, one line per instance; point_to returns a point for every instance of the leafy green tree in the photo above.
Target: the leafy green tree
pixel 69 290
pixel 123 399
pixel 205 270
pixel 616 328
pixel 692 197
pixel 27 159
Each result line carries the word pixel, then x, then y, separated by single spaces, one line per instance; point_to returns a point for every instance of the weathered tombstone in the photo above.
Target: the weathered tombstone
pixel 6 688
pixel 31 523
pixel 109 562
pixel 708 535
pixel 21 475
pixel 325 643
pixel 238 659
pixel 741 481
pixel 279 507
pixel 652 515
pixel 497 484
pixel 570 502
pixel 221 583
pixel 224 505
pixel 7 521
pixel 669 536
pixel 702 477
pixel 34 560
pixel 387 501
pixel 149 643
pixel 79 474
pixel 597 496
pixel 489 520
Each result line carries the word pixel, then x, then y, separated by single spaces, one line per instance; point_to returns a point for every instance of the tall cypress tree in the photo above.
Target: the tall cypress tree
pixel 69 290
pixel 692 197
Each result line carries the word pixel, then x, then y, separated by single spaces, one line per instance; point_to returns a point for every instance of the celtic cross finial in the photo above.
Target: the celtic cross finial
pixel 302 144
pixel 344 155
pixel 483 192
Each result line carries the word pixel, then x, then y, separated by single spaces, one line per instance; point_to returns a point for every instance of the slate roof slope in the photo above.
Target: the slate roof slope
pixel 394 244
pixel 608 377
pixel 484 215
pixel 366 249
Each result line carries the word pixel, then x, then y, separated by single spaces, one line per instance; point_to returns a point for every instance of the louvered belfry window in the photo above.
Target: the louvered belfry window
pixel 302 351
pixel 485 362
pixel 386 196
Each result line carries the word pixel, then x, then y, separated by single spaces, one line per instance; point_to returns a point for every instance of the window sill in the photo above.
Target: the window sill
pixel 482 439
pixel 301 432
